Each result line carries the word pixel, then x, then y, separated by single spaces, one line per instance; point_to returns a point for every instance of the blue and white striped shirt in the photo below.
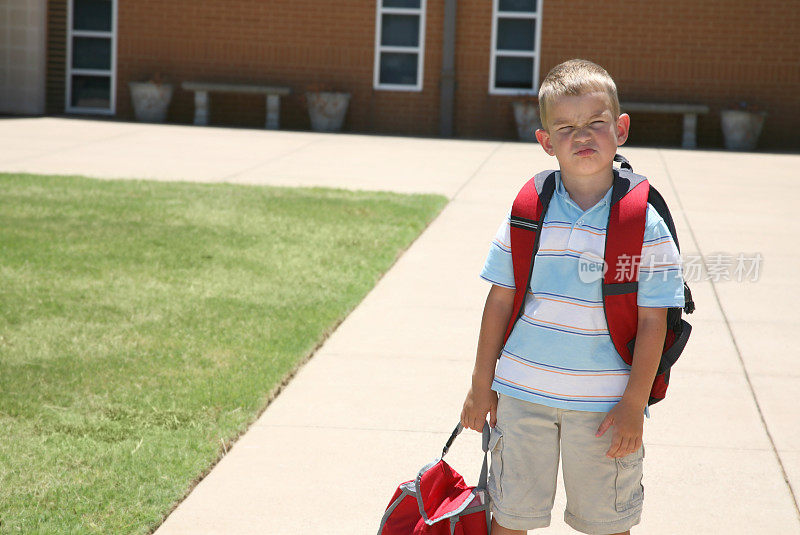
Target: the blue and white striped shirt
pixel 560 353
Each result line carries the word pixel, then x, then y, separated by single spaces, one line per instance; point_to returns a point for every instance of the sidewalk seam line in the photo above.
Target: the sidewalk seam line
pixel 270 160
pixel 475 173
pixel 733 338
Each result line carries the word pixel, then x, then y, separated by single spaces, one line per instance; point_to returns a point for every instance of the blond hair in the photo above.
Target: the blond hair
pixel 576 77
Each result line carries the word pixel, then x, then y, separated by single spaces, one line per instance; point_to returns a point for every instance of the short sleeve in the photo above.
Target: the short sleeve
pixel 660 270
pixel 499 268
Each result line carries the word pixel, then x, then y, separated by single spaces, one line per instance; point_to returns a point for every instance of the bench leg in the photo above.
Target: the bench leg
pixel 201 108
pixel 273 111
pixel 690 131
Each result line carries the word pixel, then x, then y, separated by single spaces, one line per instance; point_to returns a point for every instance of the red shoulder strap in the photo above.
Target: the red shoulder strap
pixel 526 219
pixel 623 249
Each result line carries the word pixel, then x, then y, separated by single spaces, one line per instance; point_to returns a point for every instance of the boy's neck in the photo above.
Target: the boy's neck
pixel 587 191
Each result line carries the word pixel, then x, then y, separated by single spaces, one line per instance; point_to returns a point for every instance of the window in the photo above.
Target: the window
pixel 91 57
pixel 516 32
pixel 399 44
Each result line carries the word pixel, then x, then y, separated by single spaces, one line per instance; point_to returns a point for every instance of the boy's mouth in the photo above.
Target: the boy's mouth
pixel 585 152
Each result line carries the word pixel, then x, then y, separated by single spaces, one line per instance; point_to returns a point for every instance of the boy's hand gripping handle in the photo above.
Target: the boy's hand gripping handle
pixel 457 431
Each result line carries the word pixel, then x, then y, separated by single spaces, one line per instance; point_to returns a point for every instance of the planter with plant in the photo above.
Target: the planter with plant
pixel 741 126
pixel 526 115
pixel 327 107
pixel 151 99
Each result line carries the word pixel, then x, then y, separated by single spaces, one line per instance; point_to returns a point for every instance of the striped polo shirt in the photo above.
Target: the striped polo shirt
pixel 560 353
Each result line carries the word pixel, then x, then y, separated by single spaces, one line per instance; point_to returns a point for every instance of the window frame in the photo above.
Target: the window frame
pixel 111 73
pixel 535 53
pixel 419 50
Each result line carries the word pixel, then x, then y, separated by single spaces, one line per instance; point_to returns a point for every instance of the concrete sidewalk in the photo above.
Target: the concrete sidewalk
pixel 379 398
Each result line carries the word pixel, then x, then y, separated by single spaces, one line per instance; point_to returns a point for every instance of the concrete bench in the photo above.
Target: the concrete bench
pixel 689 112
pixel 201 90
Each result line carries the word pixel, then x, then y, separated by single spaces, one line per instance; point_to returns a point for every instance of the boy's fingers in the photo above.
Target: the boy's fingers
pixel 493 415
pixel 615 445
pixel 629 446
pixel 604 426
pixel 624 446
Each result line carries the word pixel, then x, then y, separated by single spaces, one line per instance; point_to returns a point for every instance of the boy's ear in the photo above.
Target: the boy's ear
pixel 623 127
pixel 544 140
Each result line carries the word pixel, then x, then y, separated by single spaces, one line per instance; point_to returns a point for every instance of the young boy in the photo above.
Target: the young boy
pixel 559 381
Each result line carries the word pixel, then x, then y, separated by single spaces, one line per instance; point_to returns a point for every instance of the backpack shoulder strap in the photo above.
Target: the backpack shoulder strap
pixel 623 249
pixel 527 217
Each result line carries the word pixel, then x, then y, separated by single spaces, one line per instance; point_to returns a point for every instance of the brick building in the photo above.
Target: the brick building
pixel 76 57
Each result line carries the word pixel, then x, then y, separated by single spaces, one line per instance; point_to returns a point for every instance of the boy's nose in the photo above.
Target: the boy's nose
pixel 582 133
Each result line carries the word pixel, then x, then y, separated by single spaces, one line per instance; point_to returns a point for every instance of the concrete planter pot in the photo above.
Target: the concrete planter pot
pixel 327 110
pixel 741 129
pixel 150 101
pixel 526 115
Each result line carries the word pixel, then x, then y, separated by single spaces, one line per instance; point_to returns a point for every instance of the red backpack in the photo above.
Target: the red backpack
pixel 439 502
pixel 630 196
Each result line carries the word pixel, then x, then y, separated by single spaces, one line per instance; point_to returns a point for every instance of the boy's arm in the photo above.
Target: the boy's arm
pixel 481 399
pixel 627 416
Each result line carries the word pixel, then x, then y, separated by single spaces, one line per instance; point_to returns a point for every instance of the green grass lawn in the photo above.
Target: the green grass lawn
pixel 144 324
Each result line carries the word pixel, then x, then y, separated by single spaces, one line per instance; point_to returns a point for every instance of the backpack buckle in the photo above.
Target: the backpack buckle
pixel 688 306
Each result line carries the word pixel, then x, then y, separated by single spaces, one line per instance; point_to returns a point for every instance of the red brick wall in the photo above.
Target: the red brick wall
pixel 713 52
pixel 478 114
pixel 275 42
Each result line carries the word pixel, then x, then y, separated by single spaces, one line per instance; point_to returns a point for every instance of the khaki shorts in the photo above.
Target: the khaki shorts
pixel 604 495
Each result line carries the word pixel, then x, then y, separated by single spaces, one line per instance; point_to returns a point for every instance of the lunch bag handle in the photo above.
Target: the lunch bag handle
pixel 486 433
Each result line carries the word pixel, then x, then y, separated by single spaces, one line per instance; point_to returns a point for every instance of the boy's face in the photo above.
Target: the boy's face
pixel 583 134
